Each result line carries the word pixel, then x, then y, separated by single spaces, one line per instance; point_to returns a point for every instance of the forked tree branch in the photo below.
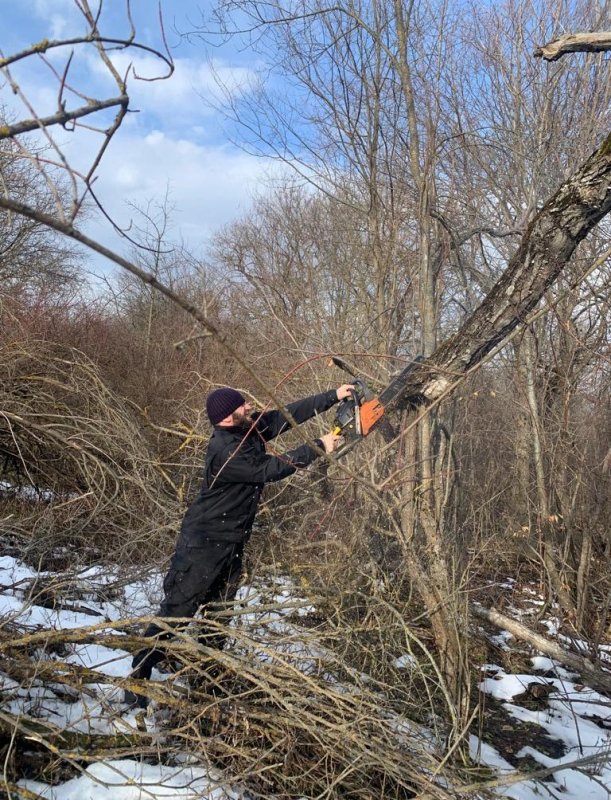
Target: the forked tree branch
pixel 69 117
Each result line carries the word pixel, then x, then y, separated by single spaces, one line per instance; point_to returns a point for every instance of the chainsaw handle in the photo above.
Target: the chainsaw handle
pixel 352 400
pixel 354 395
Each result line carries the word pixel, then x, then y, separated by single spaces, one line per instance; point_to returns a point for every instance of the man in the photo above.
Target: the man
pixel 207 562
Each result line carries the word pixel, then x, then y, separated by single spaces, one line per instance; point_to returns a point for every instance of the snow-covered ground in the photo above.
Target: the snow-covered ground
pixel 101 712
pixel 575 717
pixel 133 780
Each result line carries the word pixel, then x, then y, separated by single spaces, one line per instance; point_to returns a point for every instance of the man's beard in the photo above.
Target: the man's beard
pixel 241 420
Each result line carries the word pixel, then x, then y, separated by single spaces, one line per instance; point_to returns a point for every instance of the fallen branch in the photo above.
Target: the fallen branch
pixel 596 678
pixel 75 744
pixel 254 710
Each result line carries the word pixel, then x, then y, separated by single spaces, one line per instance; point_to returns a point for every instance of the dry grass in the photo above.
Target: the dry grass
pixel 74 451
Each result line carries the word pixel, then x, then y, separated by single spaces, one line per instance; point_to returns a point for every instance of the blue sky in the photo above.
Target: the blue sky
pixel 177 141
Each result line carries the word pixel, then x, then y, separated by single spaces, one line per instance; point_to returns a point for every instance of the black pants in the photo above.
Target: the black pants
pixel 202 575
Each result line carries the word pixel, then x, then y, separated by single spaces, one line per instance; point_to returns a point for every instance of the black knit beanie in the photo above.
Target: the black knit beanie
pixel 223 402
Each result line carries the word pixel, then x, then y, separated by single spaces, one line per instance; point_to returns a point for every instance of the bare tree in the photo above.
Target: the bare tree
pixel 385 101
pixel 377 61
pixel 30 255
pixel 77 184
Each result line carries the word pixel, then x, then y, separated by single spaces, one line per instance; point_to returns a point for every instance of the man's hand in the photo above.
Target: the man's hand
pixel 330 441
pixel 344 391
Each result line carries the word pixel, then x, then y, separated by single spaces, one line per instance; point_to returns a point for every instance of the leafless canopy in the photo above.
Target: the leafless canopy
pixel 75 108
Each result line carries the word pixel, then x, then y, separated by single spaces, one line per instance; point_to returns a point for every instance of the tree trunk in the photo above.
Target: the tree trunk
pixel 548 244
pixel 523 449
pixel 544 521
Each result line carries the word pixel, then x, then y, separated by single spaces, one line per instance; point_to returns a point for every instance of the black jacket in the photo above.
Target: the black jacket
pixel 237 467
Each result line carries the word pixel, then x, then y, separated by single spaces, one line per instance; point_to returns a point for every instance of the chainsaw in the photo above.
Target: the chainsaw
pixel 363 410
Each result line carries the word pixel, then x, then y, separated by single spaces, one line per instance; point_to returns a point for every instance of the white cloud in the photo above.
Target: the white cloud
pixel 209 186
pixel 184 92
pixel 193 75
pixel 47 8
pixel 59 26
pixel 175 141
pixel 61 18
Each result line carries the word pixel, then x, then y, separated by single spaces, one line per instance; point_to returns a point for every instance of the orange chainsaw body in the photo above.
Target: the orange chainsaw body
pixel 370 412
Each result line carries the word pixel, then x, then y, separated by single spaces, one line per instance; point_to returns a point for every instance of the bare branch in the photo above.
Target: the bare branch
pixel 42 47
pixel 61 117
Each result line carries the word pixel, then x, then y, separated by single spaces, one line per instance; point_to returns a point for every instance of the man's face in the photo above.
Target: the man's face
pixel 241 416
